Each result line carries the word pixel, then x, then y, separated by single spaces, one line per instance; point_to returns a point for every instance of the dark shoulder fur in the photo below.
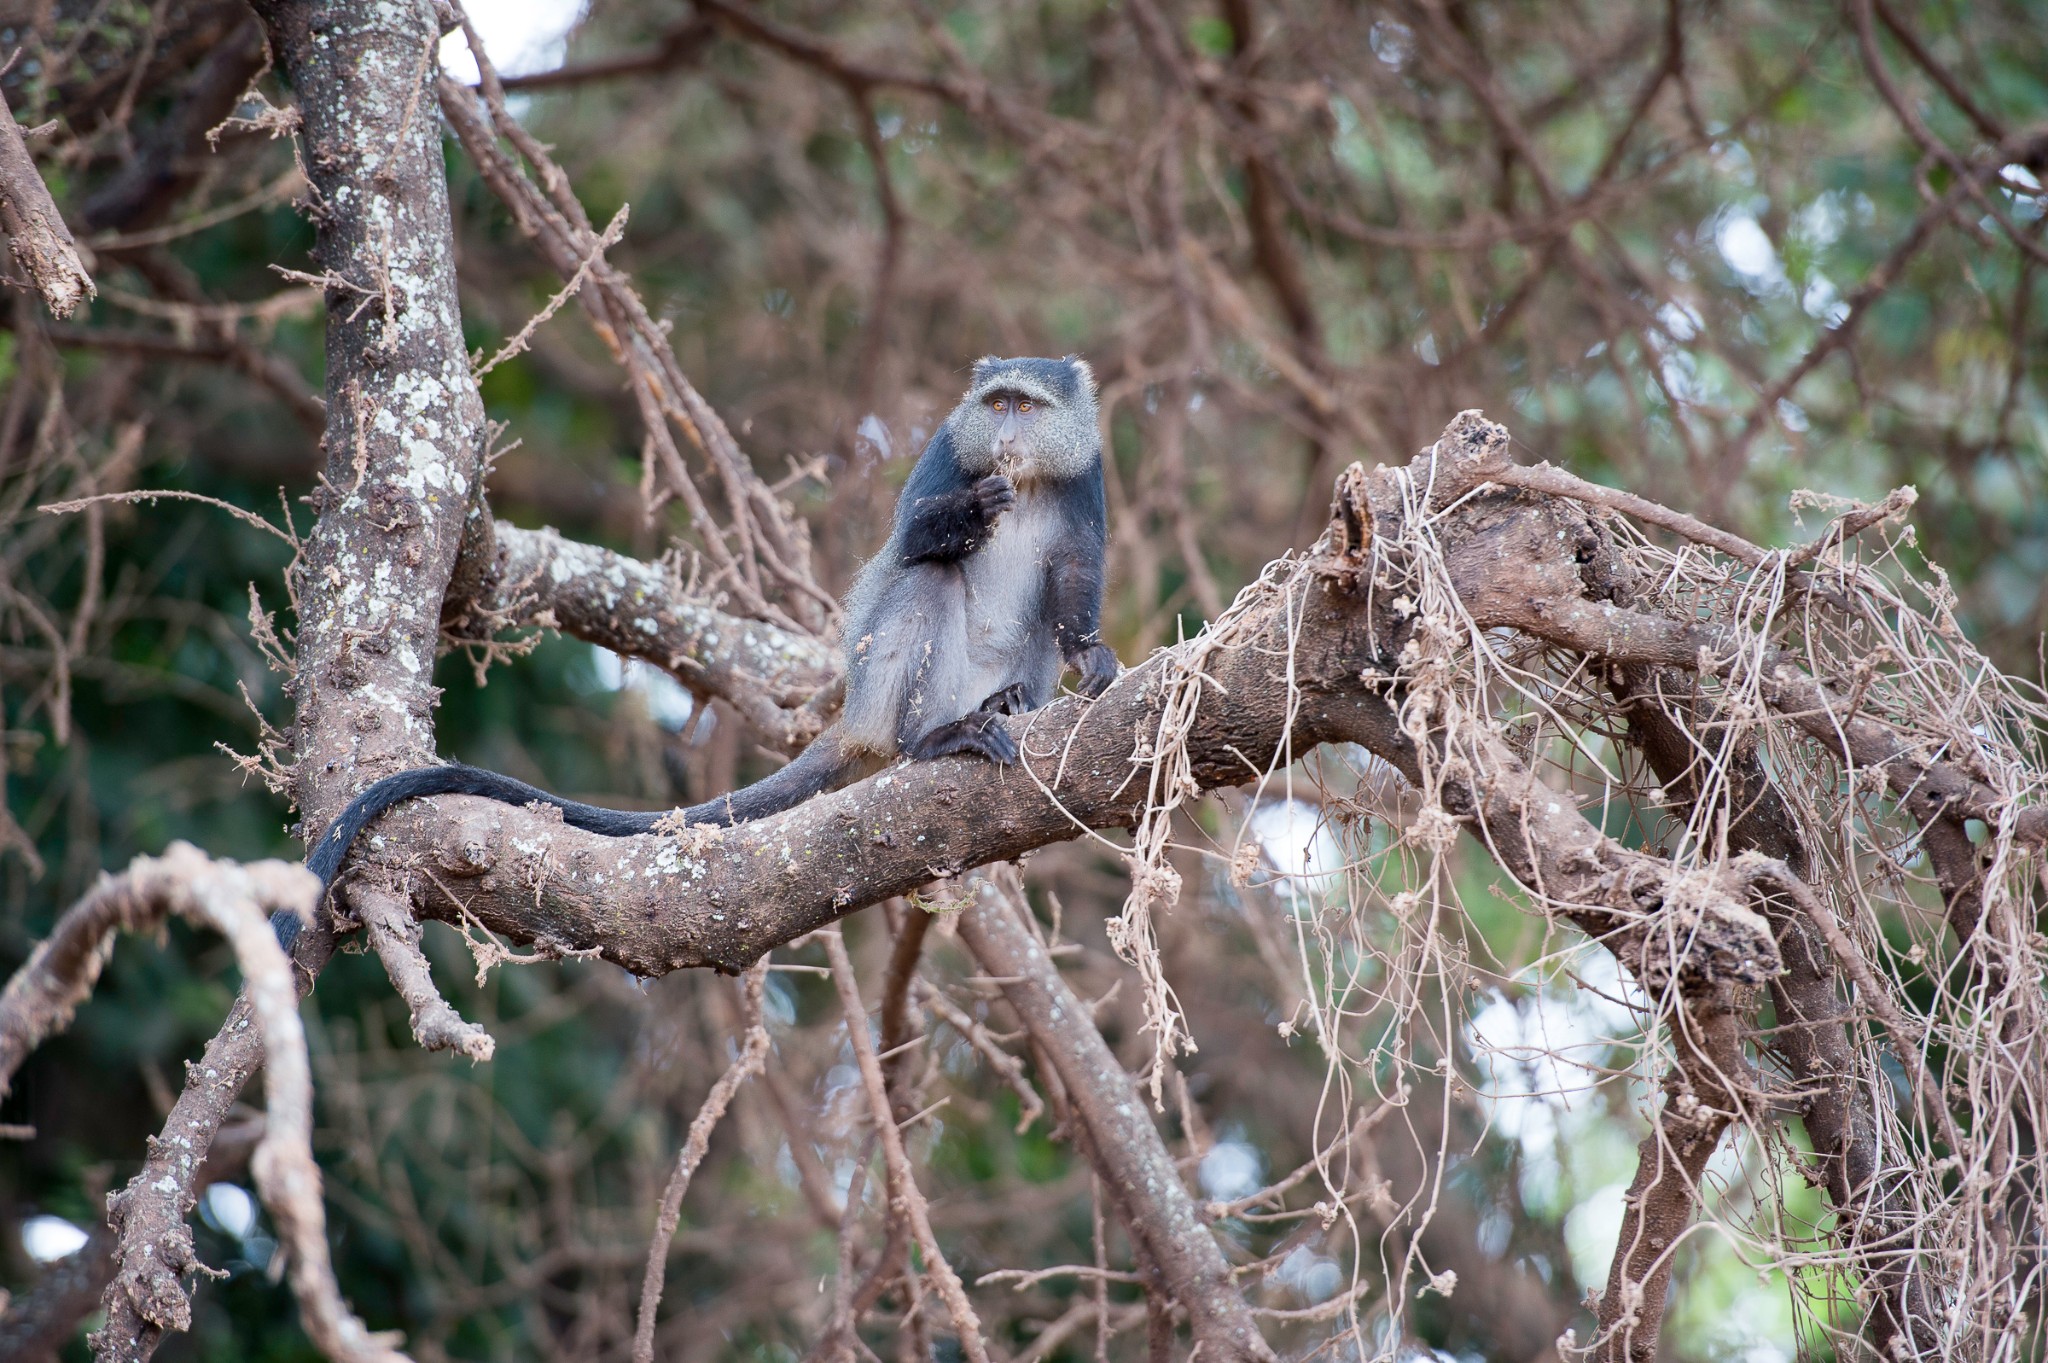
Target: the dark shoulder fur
pixel 936 473
pixel 940 517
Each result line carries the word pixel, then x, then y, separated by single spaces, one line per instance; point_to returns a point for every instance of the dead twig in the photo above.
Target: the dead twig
pixel 904 1196
pixel 753 1050
pixel 41 243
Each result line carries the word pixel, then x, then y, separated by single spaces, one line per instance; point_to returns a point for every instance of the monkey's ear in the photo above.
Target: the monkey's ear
pixel 1084 372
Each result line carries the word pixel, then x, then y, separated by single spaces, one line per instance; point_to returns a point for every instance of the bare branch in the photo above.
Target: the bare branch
pixel 213 346
pixel 753 1050
pixel 1130 1156
pixel 237 902
pixel 644 610
pixel 395 936
pixel 903 1191
pixel 42 244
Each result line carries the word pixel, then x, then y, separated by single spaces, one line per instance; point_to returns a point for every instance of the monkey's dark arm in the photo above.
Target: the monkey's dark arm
pixel 945 513
pixel 948 526
pixel 1075 572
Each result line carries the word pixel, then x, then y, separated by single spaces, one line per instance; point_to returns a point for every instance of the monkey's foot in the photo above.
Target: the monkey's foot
pixel 1098 667
pixel 1011 700
pixel 980 734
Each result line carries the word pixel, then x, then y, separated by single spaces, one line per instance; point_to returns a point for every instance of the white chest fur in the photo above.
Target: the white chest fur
pixel 1005 580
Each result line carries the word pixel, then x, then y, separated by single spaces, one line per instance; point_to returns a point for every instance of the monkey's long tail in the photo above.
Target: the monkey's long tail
pixel 819 767
pixel 824 765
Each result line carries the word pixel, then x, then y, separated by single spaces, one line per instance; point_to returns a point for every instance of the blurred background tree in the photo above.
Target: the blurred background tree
pixel 1713 252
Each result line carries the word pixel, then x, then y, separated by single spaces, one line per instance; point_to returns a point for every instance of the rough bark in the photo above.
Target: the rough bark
pixel 779 679
pixel 403 445
pixel 404 423
pixel 41 243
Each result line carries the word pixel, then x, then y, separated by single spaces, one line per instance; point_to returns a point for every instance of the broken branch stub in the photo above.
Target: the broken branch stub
pixel 40 242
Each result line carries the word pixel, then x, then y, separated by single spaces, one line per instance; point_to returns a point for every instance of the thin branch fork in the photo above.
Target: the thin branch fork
pixel 753 1052
pixel 1130 1157
pixel 904 1196
pixel 152 1250
pixel 60 973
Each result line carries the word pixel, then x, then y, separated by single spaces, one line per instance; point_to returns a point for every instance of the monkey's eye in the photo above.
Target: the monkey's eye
pixel 1023 404
pixel 997 404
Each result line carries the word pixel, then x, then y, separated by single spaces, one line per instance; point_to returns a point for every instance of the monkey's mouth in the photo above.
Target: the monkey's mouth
pixel 1017 465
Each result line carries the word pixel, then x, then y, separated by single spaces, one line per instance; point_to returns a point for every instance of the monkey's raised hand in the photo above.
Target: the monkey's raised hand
pixel 949 526
pixel 993 496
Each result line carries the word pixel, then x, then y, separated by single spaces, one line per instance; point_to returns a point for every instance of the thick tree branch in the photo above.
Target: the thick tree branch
pixel 1663 709
pixel 1303 659
pixel 404 423
pixel 1703 1097
pixel 644 610
pixel 404 442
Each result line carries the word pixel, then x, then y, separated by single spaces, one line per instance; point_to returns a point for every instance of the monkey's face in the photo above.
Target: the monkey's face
pixel 1014 420
pixel 1020 422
